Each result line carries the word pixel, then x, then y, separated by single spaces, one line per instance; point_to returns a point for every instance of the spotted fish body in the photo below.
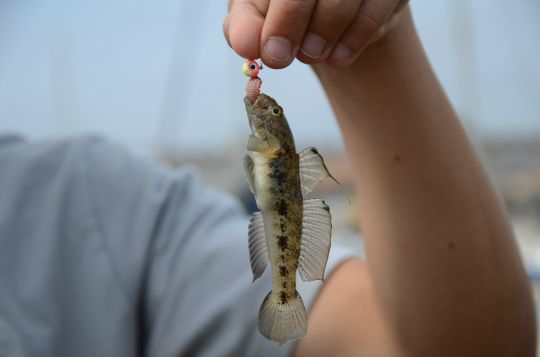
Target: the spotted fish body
pixel 281 203
pixel 289 232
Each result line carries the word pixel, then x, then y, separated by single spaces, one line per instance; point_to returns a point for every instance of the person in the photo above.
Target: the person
pixel 105 254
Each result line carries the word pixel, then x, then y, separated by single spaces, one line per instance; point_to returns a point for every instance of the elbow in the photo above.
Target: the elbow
pixel 518 332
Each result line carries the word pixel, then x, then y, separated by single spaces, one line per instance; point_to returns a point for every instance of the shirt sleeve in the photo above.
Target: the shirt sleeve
pixel 179 250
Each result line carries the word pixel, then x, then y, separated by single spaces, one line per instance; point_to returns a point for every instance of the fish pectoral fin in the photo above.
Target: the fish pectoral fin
pixel 315 243
pixel 258 252
pixel 248 168
pixel 312 169
pixel 256 144
pixel 273 142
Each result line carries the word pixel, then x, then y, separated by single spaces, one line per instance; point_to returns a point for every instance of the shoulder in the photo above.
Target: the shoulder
pixel 58 157
pixel 17 153
pixel 32 170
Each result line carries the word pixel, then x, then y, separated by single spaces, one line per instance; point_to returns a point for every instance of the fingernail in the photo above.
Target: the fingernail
pixel 278 48
pixel 313 46
pixel 341 54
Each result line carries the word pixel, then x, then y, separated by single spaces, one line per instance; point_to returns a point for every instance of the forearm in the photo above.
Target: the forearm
pixel 439 246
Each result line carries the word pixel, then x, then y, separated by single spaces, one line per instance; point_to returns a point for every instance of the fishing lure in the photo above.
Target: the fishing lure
pixel 251 68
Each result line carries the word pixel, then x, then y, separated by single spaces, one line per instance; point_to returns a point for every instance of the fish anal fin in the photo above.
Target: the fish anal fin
pixel 315 243
pixel 258 252
pixel 312 169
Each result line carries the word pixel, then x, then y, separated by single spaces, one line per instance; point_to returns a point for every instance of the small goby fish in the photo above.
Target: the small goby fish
pixel 289 232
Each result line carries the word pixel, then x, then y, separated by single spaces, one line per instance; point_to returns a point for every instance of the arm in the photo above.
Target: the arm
pixel 443 276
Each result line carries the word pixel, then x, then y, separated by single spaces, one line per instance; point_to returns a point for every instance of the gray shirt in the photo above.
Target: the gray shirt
pixel 107 254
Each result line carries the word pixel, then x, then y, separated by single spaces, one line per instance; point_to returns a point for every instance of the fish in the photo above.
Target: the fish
pixel 290 232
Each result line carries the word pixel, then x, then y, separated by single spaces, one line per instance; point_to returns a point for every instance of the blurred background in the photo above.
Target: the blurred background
pixel 158 77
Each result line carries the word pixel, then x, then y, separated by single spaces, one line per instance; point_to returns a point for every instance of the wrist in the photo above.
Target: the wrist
pixel 391 78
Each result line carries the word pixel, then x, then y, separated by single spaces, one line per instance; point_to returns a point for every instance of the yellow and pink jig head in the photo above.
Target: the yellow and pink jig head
pixel 251 69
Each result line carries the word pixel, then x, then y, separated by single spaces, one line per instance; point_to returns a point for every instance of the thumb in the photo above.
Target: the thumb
pixel 242 28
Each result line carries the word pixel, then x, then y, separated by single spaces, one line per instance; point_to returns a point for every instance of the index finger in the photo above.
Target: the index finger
pixel 284 28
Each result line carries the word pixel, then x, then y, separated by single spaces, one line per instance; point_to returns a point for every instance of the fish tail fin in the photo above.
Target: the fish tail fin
pixel 281 321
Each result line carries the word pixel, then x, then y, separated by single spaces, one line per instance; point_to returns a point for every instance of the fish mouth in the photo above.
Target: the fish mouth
pixel 249 104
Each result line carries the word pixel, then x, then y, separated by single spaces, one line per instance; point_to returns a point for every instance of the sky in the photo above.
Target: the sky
pixel 157 74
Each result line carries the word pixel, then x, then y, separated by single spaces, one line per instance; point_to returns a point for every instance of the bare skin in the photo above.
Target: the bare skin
pixel 314 31
pixel 443 275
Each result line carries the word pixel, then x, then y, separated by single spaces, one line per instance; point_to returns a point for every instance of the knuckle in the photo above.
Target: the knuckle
pixel 335 4
pixel 367 21
pixel 296 6
pixel 332 17
pixel 337 13
pixel 329 30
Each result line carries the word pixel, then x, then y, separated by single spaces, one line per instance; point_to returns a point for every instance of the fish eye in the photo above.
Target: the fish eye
pixel 276 111
pixel 252 67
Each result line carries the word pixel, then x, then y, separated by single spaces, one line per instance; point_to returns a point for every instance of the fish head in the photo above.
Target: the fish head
pixel 266 117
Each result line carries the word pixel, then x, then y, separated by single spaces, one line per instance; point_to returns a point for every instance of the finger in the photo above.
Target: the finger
pixel 283 30
pixel 242 27
pixel 226 23
pixel 329 21
pixel 370 17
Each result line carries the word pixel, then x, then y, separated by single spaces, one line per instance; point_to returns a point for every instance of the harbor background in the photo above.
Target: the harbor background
pixel 158 77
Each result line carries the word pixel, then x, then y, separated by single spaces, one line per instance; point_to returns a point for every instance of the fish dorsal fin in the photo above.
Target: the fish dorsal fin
pixel 315 243
pixel 258 252
pixel 312 169
pixel 248 168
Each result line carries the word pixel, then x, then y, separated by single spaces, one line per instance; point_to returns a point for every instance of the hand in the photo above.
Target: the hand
pixel 331 31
